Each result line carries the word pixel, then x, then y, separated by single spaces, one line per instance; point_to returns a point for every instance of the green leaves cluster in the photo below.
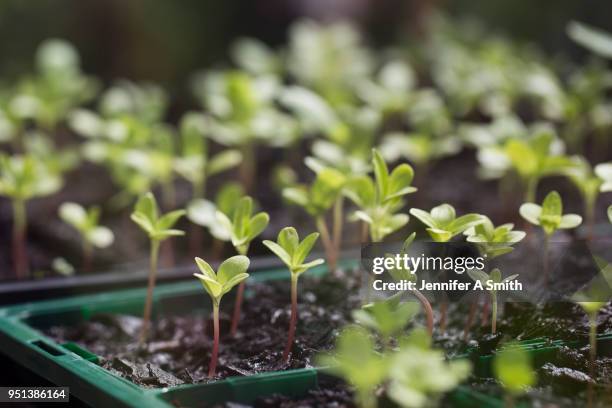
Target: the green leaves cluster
pixel 292 252
pixel 243 226
pixel 158 227
pixel 550 214
pixel 380 199
pixel 443 223
pixel 23 177
pixel 319 197
pixel 388 317
pixel 86 222
pixel 495 277
pixel 512 367
pixel 230 273
pixel 493 241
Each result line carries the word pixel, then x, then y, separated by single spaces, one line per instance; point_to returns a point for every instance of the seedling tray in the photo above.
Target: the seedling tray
pixel 70 365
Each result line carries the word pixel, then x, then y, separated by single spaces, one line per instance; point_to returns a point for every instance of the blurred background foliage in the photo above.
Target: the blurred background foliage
pixel 166 41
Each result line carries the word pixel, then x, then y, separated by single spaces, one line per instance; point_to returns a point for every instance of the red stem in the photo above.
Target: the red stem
pixel 426 308
pixel 470 319
pixel 293 322
pixel 212 369
pixel 485 312
pixel 237 308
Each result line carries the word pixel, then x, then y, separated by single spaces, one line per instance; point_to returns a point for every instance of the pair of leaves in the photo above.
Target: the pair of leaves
pixel 230 273
pixel 493 241
pixel 243 226
pixel 321 195
pixel 388 317
pixel 443 223
pixel 26 177
pixel 293 252
pixel 533 158
pixel 495 277
pixel 146 215
pixel 86 222
pixel 550 214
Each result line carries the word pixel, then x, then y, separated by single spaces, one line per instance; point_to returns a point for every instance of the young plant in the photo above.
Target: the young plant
pixel 550 217
pixel 356 361
pixel 405 274
pixel 380 199
pixel 388 318
pixel 230 273
pixel 442 222
pixel 419 375
pixel 86 223
pixel 158 228
pixel 21 179
pixel 293 253
pixel 317 200
pixel 495 277
pixel 512 368
pixel 242 228
pixel 592 299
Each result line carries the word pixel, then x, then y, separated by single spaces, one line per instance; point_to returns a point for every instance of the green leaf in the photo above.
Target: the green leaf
pixel 169 219
pixel 464 222
pixel 439 235
pixel 279 251
pixel 512 366
pixel 495 275
pixel 361 191
pixel 100 237
pixel 205 268
pixel 257 225
pixel 223 161
pixel 74 214
pixel 400 180
pixel 296 195
pixel 570 221
pixel 531 212
pixel 201 212
pixel 594 39
pixel 232 267
pixel 381 174
pixel 289 240
pixel 443 215
pixel 552 205
pixel 147 205
pixel 143 221
pixel 424 217
pixel 478 275
pixel 304 248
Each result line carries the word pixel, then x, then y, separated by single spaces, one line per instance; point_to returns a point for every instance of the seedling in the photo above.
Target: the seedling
pixel 496 278
pixel 388 318
pixel 21 179
pixel 512 368
pixel 550 217
pixel 158 228
pixel 405 274
pixel 317 200
pixel 493 241
pixel 230 273
pixel 293 253
pixel 356 361
pixel 380 199
pixel 442 222
pixel 593 39
pixel 86 223
pixel 241 229
pixel 533 159
pixel 589 185
pixel 419 375
pixel 592 298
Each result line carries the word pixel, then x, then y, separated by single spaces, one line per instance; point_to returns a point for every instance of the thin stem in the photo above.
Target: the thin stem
pixel 20 260
pixel 212 368
pixel 531 189
pixel 338 224
pixel 493 312
pixel 248 169
pixel 592 356
pixel 169 199
pixel 149 301
pixel 328 244
pixel 545 267
pixel 364 232
pixel 589 210
pixel 426 308
pixel 237 309
pixel 294 317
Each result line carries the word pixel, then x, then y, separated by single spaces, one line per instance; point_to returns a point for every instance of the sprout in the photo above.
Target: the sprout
pixel 317 200
pixel 380 199
pixel 495 277
pixel 592 298
pixel 293 253
pixel 550 217
pixel 491 240
pixel 420 375
pixel 534 159
pixel 241 229
pixel 356 361
pixel 86 223
pixel 593 39
pixel 388 318
pixel 512 367
pixel 230 273
pixel 158 228
pixel 443 223
pixel 21 179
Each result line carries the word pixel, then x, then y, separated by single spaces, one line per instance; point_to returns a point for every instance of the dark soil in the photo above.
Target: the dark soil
pixel 180 346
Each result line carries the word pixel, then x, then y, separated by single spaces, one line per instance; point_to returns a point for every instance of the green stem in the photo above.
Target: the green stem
pixel 151 285
pixel 545 267
pixel 592 356
pixel 294 317
pixel 531 189
pixel 20 260
pixel 338 224
pixel 589 211
pixel 212 368
pixel 328 244
pixel 248 169
pixel 493 312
